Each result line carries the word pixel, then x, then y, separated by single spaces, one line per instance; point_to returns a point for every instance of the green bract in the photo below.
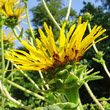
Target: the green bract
pixel 70 77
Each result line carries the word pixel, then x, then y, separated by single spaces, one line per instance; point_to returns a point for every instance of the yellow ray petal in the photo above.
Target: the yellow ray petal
pixel 79 21
pixel 62 37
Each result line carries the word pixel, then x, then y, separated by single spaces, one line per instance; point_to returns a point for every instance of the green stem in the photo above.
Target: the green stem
pixel 47 86
pixel 94 46
pixel 7 95
pixel 41 76
pixel 72 95
pixel 29 24
pixel 7 65
pixel 2 51
pixel 3 63
pixel 19 104
pixel 96 50
pixel 92 96
pixel 27 15
pixel 28 91
pixel 16 34
pixel 105 68
pixel 24 36
pixel 50 15
pixel 11 74
pixel 68 12
pixel 37 87
pixel 80 105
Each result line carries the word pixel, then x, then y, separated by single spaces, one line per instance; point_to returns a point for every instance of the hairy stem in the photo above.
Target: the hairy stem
pixel 92 96
pixel 68 12
pixel 16 34
pixel 7 95
pixel 37 87
pixel 106 69
pixel 32 33
pixel 3 64
pixel 2 51
pixel 28 91
pixel 24 36
pixel 47 86
pixel 50 15
pixel 29 24
pixel 72 95
pixel 7 65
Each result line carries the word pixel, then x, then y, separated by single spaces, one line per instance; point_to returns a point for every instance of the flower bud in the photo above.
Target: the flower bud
pixel 87 16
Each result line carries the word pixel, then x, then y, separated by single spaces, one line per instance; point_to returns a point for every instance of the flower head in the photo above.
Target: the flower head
pixel 8 38
pixel 49 54
pixel 13 13
pixel 2 3
pixel 12 10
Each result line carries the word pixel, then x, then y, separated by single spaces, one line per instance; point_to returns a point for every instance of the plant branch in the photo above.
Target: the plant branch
pixel 15 33
pixel 47 86
pixel 3 64
pixel 7 95
pixel 92 96
pixel 94 46
pixel 24 36
pixel 68 12
pixel 28 91
pixel 50 15
pixel 37 87
pixel 29 24
pixel 105 68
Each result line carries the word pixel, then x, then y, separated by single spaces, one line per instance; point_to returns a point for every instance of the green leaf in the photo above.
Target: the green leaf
pixel 80 71
pixel 91 77
pixel 21 33
pixel 93 74
pixel 38 108
pixel 97 77
pixel 12 104
pixel 67 106
pixel 62 74
pixel 69 67
pixel 56 84
pixel 104 99
pixel 101 61
pixel 71 81
pixel 71 78
pixel 51 97
pixel 86 73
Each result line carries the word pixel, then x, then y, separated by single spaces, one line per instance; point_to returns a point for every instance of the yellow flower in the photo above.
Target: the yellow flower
pixel 12 10
pixel 2 2
pixel 13 13
pixel 48 54
pixel 8 38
